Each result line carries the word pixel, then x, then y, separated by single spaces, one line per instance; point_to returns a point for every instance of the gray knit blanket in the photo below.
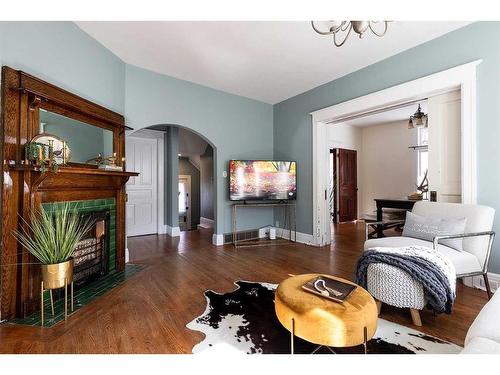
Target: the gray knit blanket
pixel 429 267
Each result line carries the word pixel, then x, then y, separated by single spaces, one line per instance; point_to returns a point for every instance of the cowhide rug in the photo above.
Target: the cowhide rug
pixel 244 321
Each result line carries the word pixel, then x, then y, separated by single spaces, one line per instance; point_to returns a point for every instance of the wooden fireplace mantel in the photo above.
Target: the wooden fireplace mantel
pixel 71 178
pixel 25 187
pixel 70 183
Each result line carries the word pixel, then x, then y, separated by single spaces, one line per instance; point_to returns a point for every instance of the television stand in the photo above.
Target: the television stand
pixel 289 224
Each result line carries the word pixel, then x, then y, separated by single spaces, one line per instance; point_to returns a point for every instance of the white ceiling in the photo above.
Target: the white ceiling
pixel 386 117
pixel 265 60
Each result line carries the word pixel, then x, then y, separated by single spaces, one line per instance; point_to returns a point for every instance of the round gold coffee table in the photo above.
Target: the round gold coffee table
pixel 324 322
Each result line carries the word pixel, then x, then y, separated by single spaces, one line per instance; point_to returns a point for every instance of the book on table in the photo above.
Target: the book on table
pixel 330 288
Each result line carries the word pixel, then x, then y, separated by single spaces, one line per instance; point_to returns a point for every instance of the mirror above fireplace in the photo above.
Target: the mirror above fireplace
pixel 85 141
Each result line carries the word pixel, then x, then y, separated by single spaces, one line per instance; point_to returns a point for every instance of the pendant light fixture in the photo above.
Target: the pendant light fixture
pixel 418 119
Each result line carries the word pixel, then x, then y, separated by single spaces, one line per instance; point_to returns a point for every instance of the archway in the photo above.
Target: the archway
pixel 204 203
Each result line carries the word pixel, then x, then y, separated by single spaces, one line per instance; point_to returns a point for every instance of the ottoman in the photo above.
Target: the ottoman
pixel 321 321
pixel 395 287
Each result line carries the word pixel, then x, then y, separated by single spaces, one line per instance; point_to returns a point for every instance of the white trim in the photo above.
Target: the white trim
pixel 206 223
pixel 162 229
pixel 304 238
pixel 127 255
pixel 173 231
pixel 462 77
pixel 478 281
pixel 218 239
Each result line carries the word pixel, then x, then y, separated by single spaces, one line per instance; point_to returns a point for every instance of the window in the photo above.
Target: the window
pixel 182 197
pixel 423 154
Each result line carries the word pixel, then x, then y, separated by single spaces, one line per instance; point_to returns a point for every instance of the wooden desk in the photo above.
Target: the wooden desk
pixel 402 203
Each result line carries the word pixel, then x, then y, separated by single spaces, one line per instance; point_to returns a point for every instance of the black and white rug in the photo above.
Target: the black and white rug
pixel 244 321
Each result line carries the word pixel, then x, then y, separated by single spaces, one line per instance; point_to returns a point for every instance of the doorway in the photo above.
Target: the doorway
pixel 347 185
pixel 184 202
pixel 461 78
pixel 343 194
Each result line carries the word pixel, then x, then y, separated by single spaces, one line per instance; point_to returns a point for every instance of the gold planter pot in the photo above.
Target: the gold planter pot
pixel 58 275
pixel 55 276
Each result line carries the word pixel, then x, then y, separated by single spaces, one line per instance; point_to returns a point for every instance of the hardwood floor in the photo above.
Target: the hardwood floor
pixel 148 313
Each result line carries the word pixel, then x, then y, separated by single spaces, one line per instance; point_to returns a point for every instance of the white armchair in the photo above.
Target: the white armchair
pixel 477 239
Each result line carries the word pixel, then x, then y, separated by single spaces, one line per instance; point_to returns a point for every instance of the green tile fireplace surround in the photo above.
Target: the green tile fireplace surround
pixel 93 205
pixel 96 288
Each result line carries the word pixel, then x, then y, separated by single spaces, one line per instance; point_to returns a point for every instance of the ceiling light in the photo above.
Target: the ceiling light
pixel 345 27
pixel 418 119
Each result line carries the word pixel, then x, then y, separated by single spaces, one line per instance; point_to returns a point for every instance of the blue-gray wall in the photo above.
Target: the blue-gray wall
pixel 292 124
pixel 237 127
pixel 62 54
pixel 172 176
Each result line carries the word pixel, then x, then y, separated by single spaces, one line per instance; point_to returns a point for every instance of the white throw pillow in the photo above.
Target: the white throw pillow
pixel 426 228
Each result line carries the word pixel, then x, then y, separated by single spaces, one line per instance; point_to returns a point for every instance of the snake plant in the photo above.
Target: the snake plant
pixel 52 237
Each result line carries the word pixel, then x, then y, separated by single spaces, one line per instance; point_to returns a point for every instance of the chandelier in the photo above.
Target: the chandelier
pixel 338 28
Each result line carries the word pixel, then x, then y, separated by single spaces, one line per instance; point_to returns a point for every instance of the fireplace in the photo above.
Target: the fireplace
pixel 26 187
pixel 91 256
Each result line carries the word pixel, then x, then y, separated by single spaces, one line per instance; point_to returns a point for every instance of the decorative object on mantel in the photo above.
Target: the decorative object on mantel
pixel 112 164
pixel 115 168
pixel 97 160
pixel 51 238
pixel 107 163
pixel 418 119
pixel 47 152
pixel 345 27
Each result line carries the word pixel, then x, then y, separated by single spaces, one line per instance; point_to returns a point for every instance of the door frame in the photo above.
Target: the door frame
pixel 461 77
pixel 335 188
pixel 188 179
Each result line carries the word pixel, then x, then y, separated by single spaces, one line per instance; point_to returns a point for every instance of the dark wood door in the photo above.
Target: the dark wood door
pixel 348 185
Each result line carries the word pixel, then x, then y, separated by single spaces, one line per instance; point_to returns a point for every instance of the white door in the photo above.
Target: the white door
pixel 184 202
pixel 142 204
pixel 445 150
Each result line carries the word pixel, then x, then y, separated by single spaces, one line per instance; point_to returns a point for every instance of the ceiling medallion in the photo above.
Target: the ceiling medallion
pixel 338 28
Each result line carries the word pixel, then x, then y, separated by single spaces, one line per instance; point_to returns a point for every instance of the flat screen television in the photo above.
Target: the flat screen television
pixel 262 180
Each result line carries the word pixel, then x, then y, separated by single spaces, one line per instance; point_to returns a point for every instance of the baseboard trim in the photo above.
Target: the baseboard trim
pixel 304 238
pixel 218 239
pixel 206 223
pixel 478 281
pixel 127 255
pixel 162 229
pixel 173 231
